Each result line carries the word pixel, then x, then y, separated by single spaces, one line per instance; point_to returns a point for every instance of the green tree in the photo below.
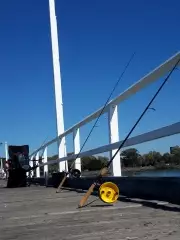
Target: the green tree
pixel 152 158
pixel 167 158
pixel 175 153
pixel 131 157
pixel 175 150
pixel 103 160
pixel 93 163
pixel 86 162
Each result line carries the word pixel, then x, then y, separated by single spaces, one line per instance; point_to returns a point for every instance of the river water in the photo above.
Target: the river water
pixel 159 173
pixel 145 173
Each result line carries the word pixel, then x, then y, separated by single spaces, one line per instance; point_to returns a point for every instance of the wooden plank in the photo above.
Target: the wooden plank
pixel 39 213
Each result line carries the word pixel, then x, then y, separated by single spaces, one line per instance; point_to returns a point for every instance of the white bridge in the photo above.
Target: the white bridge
pixel 111 109
pixel 114 142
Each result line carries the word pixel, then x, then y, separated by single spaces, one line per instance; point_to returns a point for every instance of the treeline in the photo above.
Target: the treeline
pixel 88 163
pixel 132 158
pixel 129 158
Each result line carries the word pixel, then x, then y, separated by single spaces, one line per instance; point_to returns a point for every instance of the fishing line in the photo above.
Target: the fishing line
pixel 105 169
pixel 155 95
pixel 41 145
pixel 127 65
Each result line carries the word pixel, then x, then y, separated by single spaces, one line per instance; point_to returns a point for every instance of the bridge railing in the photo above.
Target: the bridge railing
pixel 112 110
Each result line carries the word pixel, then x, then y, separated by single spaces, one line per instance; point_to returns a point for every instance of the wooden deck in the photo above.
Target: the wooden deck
pixel 39 213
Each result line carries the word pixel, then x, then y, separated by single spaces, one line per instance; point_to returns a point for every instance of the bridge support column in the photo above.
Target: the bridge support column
pixel 6 150
pixel 31 165
pixel 37 169
pixel 45 161
pixel 57 84
pixel 63 166
pixel 114 137
pixel 76 141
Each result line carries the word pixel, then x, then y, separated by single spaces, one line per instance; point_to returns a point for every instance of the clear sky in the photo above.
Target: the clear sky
pixel 96 39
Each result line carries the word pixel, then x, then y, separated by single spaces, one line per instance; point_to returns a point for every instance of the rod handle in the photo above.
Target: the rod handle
pixel 61 183
pixel 86 195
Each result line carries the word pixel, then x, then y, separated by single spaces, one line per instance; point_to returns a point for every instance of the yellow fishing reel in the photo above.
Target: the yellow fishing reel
pixel 109 192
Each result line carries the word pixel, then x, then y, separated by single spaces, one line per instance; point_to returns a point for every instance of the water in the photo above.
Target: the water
pixel 145 173
pixel 159 173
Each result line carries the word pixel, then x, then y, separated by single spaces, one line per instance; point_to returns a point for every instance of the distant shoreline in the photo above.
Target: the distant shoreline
pixel 131 171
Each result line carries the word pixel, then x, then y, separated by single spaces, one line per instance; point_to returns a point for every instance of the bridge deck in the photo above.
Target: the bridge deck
pixel 40 213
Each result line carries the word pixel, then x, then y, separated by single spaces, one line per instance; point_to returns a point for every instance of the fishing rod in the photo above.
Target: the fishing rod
pixel 70 171
pixel 104 170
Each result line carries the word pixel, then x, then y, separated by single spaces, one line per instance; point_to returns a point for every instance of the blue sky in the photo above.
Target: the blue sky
pixel 96 40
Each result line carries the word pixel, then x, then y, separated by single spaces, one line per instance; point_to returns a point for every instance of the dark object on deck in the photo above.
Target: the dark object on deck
pixel 17 178
pixel 75 173
pixel 18 166
pixel 57 178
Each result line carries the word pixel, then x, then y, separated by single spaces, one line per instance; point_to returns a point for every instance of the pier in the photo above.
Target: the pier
pixel 147 208
pixel 37 212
